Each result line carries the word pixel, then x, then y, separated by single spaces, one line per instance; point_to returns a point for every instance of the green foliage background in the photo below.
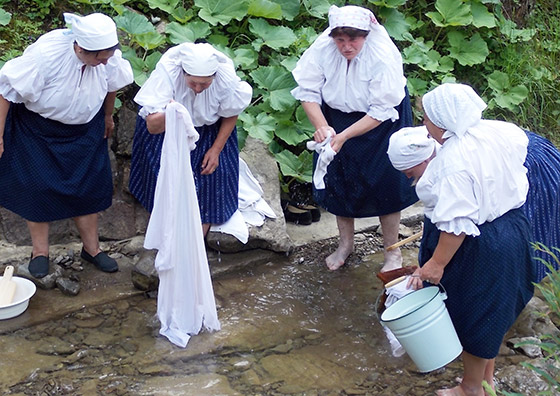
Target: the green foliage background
pixel 509 57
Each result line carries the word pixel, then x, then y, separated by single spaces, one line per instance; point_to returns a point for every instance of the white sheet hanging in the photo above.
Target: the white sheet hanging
pixel 185 297
pixel 326 155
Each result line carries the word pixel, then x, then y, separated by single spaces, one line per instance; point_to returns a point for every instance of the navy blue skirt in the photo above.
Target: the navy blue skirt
pixel 217 193
pixel 542 207
pixel 52 171
pixel 488 280
pixel 360 180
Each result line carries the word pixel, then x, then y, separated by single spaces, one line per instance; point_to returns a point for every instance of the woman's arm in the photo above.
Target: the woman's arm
pixel 4 107
pixel 155 123
pixel 211 159
pixel 109 106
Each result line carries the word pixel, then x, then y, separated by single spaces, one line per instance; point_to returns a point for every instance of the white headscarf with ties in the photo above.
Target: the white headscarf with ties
pixel 351 16
pixel 409 147
pixel 93 32
pixel 201 60
pixel 453 107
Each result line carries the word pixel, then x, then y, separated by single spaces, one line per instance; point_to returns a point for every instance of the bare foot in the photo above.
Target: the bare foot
pixel 337 259
pixel 393 260
pixel 457 391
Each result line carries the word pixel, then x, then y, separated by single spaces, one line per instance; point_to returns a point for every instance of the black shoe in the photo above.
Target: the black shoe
pixel 315 212
pixel 101 261
pixel 298 216
pixel 39 266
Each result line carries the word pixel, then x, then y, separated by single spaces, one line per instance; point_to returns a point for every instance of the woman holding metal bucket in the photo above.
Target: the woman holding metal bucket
pixel 476 236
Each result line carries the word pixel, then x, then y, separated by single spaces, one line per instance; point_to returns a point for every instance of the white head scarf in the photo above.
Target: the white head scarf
pixel 453 107
pixel 351 16
pixel 201 60
pixel 93 32
pixel 409 147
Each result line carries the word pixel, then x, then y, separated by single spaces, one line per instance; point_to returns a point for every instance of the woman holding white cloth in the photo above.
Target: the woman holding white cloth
pixel 204 81
pixel 351 82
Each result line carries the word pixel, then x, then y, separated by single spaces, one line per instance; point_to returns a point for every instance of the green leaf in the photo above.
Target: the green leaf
pixel 388 3
pixel 246 57
pixel 149 40
pixel 481 16
pixel 506 96
pixel 165 5
pixel 265 9
pixel 182 15
pixel 300 167
pixel 451 13
pixel 221 11
pixel 416 86
pixel 275 37
pixel 277 83
pixel 260 127
pixel 134 23
pixel 179 33
pixel 5 17
pixel 509 29
pixel 467 52
pixel 395 23
pixel 287 131
pixel 317 8
pixel 290 8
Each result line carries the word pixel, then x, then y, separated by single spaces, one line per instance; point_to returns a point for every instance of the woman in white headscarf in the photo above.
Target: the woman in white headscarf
pixel 476 236
pixel 56 106
pixel 204 81
pixel 352 87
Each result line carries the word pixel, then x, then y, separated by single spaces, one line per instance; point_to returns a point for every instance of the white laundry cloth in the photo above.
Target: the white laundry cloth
pixel 185 296
pixel 326 155
pixel 253 209
pixel 395 293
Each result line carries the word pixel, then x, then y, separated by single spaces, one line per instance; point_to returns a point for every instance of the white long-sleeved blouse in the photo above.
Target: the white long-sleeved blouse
pixel 475 178
pixel 227 96
pixel 48 79
pixel 373 82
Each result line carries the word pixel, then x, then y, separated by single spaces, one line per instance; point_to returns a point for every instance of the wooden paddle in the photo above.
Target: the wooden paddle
pixel 405 241
pixel 7 287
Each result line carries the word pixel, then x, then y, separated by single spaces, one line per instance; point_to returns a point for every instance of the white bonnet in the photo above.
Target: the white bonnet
pixel 93 32
pixel 351 16
pixel 409 147
pixel 453 107
pixel 200 60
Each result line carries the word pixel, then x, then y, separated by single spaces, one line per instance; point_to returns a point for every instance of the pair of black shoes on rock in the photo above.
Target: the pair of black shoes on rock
pixel 39 266
pixel 302 214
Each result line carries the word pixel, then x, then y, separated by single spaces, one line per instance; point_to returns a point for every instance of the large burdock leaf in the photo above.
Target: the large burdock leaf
pixel 290 8
pixel 179 33
pixel 395 22
pixel 481 16
pixel 265 9
pixel 505 95
pixel 221 11
pixel 289 132
pixel 467 52
pixel 317 8
pixel 134 23
pixel 260 127
pixel 275 37
pixel 165 5
pixel 388 3
pixel 451 13
pixel 5 17
pixel 277 83
pixel 300 167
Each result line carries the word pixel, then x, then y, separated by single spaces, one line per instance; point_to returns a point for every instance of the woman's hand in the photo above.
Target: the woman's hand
pixel 322 133
pixel 337 141
pixel 1 146
pixel 210 161
pixel 109 126
pixel 431 272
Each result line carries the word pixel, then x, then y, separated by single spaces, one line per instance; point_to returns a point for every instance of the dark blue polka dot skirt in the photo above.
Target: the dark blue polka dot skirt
pixel 360 180
pixel 542 207
pixel 217 193
pixel 50 170
pixel 488 280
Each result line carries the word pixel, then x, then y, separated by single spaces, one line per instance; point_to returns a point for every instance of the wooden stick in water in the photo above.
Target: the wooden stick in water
pixel 405 241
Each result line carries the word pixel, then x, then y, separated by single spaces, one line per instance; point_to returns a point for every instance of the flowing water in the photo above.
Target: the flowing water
pixel 287 329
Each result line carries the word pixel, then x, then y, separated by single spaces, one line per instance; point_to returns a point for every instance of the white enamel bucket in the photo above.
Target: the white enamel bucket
pixel 422 325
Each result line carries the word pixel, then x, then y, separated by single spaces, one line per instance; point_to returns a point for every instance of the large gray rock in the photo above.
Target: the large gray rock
pixel 272 234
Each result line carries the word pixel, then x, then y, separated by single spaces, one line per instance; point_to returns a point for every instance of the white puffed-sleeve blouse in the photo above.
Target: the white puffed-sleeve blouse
pixel 372 83
pixel 49 80
pixel 227 96
pixel 475 178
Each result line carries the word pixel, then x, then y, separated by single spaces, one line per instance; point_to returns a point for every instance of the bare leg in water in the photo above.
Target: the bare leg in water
pixel 345 244
pixel 205 228
pixel 475 371
pixel 390 226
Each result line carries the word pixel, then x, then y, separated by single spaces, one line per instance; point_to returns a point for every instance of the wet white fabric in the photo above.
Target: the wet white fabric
pixel 453 107
pixel 409 147
pixel 201 60
pixel 373 82
pixel 34 79
pixel 93 32
pixel 395 293
pixel 351 16
pixel 326 155
pixel 227 96
pixel 253 209
pixel 185 296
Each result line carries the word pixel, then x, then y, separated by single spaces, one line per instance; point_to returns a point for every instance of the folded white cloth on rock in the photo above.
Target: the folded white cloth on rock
pixel 253 209
pixel 395 293
pixel 185 295
pixel 326 155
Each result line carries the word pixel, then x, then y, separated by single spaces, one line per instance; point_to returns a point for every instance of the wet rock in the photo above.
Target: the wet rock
pixel 68 286
pixel 144 275
pixel 533 321
pixel 90 323
pixel 530 347
pixel 74 357
pixel 521 380
pixel 250 377
pixel 54 346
